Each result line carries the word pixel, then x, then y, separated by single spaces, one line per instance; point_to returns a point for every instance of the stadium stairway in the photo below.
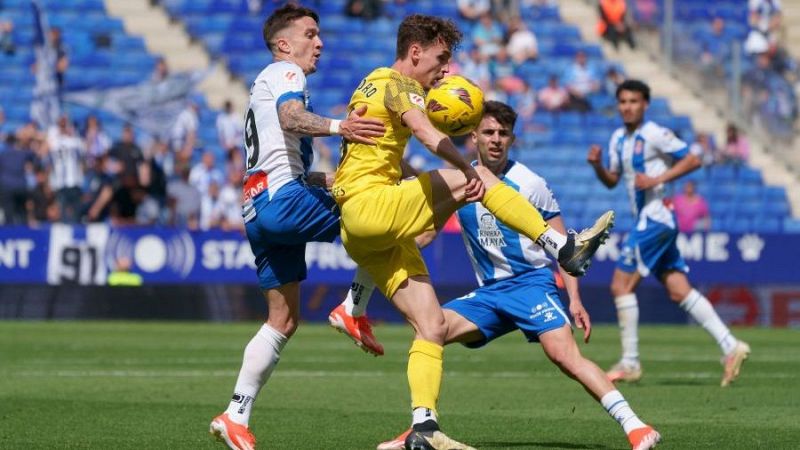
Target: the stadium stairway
pixel 169 40
pixel 791 39
pixel 640 64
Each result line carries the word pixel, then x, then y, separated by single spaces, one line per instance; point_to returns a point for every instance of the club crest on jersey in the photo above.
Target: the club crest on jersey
pixel 488 233
pixel 435 106
pixel 638 147
pixel 416 99
pixel 464 96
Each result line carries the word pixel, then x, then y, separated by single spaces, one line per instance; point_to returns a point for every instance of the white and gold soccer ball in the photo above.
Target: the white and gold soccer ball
pixel 454 105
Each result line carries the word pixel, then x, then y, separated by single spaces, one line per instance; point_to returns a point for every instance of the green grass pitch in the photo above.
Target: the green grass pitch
pixel 122 385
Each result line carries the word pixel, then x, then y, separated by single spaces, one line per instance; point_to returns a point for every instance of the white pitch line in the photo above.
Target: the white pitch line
pixel 344 374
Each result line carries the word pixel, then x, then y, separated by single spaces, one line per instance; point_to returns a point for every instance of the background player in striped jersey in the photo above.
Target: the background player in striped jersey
pixel 517 288
pixel 282 211
pixel 644 156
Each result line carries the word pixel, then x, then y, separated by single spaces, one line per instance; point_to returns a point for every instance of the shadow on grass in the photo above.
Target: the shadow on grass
pixel 500 444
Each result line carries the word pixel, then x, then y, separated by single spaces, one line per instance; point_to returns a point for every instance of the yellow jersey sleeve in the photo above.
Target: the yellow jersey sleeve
pixel 403 94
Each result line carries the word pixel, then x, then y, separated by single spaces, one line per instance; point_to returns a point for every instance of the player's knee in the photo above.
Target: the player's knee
pixel 566 357
pixel 432 329
pixel 283 325
pixel 619 288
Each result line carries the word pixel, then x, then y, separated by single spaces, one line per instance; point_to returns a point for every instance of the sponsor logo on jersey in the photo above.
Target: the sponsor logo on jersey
pixel 488 233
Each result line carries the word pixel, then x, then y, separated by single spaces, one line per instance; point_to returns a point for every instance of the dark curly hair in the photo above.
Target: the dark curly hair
pixel 426 31
pixel 501 112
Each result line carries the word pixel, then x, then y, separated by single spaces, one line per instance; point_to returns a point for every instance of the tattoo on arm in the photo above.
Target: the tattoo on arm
pixel 294 117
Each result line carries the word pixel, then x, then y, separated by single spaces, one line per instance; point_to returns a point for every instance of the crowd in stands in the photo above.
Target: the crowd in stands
pixel 81 173
pixel 77 173
pixel 705 32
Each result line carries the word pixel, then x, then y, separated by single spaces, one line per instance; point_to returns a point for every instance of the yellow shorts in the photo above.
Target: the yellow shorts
pixel 379 226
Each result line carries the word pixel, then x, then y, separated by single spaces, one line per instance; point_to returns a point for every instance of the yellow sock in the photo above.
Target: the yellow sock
pixel 425 373
pixel 514 210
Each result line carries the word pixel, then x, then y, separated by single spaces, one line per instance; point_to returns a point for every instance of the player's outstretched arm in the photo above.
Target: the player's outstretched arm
pixel 594 158
pixel 576 308
pixel 294 117
pixel 440 145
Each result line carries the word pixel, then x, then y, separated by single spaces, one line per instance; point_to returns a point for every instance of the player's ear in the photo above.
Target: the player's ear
pixel 283 45
pixel 414 52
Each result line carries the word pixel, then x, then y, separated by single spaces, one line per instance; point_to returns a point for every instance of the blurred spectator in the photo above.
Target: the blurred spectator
pixel 66 154
pixel 714 47
pixel 205 172
pixel 614 24
pixel 737 149
pixel 152 209
pixel 230 202
pixel 487 35
pixel 612 80
pixel 97 141
pixel 765 17
pixel 41 205
pixel 230 129
pixel 364 9
pixel 691 210
pixel 128 195
pixel 160 71
pixel 122 275
pixel 581 82
pixel 502 70
pixel 183 201
pixel 473 9
pixel 505 10
pixel 476 68
pixel 7 45
pixel 210 213
pixel 646 12
pixel 127 156
pixel 62 57
pixel 553 97
pixel 100 191
pixel 525 102
pixel 706 149
pixel 15 162
pixel 184 133
pixel 3 125
pixel 522 45
pixel 323 161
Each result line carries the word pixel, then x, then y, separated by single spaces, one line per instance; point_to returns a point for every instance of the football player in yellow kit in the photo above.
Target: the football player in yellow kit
pixel 382 213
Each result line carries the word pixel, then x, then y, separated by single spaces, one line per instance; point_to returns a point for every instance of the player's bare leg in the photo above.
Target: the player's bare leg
pixel 623 286
pixel 573 251
pixel 260 358
pixel 559 345
pixel 734 351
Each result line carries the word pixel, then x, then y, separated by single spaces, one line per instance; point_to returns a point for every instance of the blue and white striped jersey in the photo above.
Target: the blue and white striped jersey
pixel 651 149
pixel 496 251
pixel 65 157
pixel 281 155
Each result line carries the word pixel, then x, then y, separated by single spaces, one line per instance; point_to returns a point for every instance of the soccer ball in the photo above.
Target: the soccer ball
pixel 454 105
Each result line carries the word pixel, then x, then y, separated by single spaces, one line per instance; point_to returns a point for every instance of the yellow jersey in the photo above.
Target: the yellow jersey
pixel 387 95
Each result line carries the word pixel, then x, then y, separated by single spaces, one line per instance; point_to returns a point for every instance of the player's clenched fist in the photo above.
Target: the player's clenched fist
pixel 594 156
